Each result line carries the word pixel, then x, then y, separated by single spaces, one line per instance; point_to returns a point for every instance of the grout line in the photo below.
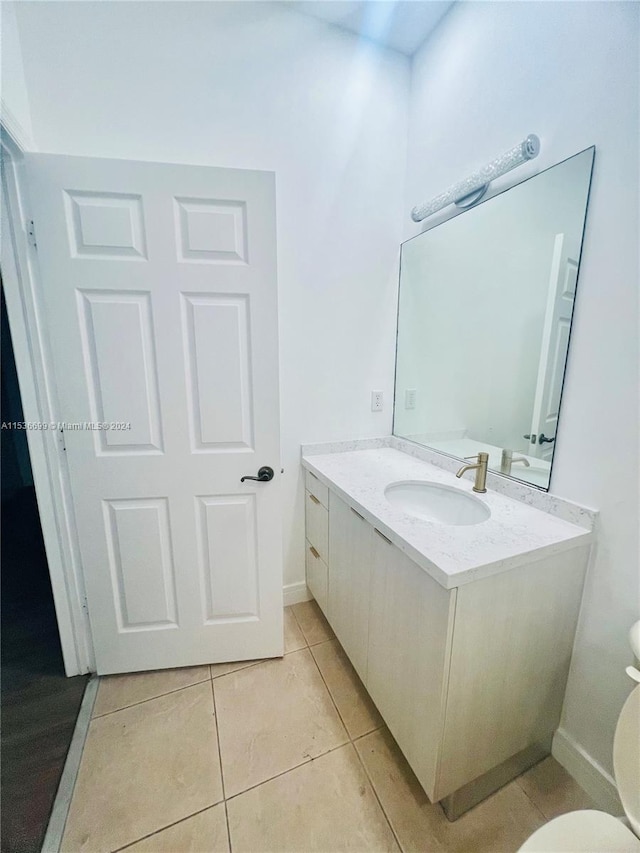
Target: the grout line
pixel 375 794
pixel 364 734
pixel 251 665
pixel 371 732
pixel 215 714
pixel 226 815
pixel 304 636
pixel 217 722
pixel 151 698
pixel 168 826
pixel 306 645
pixel 240 668
pixel 64 795
pixel 352 743
pixel 325 640
pixel 328 689
pixel 258 662
pixel 531 800
pixel 309 760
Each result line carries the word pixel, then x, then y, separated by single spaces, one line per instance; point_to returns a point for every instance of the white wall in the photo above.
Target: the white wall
pixel 253 85
pixel 14 98
pixel 491 74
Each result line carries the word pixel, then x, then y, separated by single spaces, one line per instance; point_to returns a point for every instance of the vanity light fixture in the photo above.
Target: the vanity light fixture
pixel 466 193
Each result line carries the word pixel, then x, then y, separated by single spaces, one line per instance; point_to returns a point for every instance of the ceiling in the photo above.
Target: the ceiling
pixel 402 25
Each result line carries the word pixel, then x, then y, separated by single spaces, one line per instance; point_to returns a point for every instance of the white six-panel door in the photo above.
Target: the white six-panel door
pixel 555 346
pixel 159 295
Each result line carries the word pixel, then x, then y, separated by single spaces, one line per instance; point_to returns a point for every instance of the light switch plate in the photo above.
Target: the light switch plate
pixel 410 398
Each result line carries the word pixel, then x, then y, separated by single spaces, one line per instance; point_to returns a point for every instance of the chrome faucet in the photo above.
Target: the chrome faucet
pixel 480 468
pixel 508 460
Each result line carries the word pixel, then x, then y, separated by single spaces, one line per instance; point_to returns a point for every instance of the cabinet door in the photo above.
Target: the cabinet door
pixel 411 620
pixel 509 664
pixel 349 575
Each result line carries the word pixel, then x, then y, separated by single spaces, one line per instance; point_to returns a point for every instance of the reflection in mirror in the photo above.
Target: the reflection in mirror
pixel 484 317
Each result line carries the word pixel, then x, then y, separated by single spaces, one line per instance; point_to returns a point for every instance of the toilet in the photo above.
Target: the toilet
pixel 592 831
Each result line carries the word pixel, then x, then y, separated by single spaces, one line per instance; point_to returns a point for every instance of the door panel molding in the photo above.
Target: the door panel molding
pixel 101 312
pixel 129 524
pixel 218 514
pixel 211 321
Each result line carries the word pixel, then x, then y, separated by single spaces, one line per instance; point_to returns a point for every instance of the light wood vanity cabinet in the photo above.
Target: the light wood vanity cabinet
pixel 469 680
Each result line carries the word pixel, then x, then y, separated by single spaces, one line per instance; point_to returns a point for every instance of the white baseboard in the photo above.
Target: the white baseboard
pixel 590 775
pixel 294 593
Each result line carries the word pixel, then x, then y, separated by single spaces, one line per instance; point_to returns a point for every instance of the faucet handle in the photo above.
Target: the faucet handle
pixel 482 456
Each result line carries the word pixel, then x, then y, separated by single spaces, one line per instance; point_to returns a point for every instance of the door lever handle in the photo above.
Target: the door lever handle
pixel 544 440
pixel 264 475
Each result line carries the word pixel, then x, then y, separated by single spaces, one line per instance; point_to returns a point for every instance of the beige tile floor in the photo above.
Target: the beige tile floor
pixel 279 755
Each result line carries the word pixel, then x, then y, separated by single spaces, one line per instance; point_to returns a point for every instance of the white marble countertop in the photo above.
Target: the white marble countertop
pixel 453 555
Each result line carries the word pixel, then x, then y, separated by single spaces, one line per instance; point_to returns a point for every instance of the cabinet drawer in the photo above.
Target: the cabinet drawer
pixel 317 489
pixel 317 576
pixel 317 521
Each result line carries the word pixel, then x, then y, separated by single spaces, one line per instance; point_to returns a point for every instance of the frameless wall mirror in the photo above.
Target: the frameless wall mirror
pixel 484 319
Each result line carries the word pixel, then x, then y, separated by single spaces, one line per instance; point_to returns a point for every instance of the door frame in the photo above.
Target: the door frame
pixel 21 282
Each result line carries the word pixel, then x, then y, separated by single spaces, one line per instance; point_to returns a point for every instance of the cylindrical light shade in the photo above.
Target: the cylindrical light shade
pixel 526 150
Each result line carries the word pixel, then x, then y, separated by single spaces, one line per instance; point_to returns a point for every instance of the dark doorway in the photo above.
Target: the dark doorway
pixel 39 703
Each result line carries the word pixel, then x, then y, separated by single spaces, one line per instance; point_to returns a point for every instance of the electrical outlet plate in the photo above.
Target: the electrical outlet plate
pixel 377 401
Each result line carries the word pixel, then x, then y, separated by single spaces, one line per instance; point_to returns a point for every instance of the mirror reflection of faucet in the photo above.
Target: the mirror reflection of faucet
pixel 508 459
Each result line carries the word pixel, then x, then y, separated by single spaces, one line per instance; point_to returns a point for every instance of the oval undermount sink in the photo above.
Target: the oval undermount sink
pixel 435 502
